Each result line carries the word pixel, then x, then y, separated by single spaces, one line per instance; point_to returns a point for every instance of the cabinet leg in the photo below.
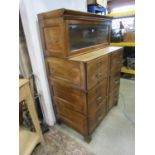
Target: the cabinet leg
pixel 116 103
pixel 87 138
pixel 58 121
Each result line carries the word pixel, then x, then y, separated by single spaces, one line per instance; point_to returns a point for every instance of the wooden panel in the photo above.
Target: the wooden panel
pixel 115 81
pixel 96 96
pixel 71 105
pixel 53 38
pixel 69 94
pixel 95 54
pixel 72 118
pixel 114 94
pixel 68 71
pixel 93 108
pixel 116 62
pixel 96 71
pixel 67 13
pixel 99 115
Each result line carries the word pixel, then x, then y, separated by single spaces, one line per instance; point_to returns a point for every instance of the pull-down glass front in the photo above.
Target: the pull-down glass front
pixel 84 35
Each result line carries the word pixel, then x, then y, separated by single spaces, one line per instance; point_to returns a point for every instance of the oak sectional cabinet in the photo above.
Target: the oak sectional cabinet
pixel 82 69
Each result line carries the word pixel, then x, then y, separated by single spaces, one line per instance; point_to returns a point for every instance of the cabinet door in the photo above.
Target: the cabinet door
pixel 83 35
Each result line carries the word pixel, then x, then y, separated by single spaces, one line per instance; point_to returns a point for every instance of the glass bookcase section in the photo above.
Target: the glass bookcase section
pixel 85 35
pixel 65 33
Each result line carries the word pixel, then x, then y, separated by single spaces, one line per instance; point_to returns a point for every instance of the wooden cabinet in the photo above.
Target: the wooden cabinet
pixel 82 69
pixel 65 32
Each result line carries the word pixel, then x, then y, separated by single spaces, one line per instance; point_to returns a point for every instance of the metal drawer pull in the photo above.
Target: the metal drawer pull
pixel 99 98
pixel 98 74
pixel 119 62
pixel 99 118
pixel 116 81
pixel 99 63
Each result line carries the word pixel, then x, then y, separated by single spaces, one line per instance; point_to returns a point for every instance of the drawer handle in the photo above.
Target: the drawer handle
pixel 99 63
pixel 52 70
pixel 115 96
pixel 116 81
pixel 99 118
pixel 119 62
pixel 99 98
pixel 98 74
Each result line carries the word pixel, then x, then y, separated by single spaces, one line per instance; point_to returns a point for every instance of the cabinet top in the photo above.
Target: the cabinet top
pixel 95 54
pixel 68 13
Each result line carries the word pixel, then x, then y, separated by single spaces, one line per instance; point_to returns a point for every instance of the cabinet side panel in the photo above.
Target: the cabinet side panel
pixel 52 34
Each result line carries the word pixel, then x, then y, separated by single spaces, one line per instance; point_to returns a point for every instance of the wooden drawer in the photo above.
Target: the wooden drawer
pixel 68 71
pixel 97 70
pixel 116 62
pixel 96 96
pixel 76 107
pixel 113 98
pixel 75 97
pixel 94 120
pixel 93 108
pixel 114 81
pixel 72 118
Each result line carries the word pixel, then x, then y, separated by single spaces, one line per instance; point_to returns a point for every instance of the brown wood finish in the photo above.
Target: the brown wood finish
pixel 99 114
pixel 55 34
pixel 68 71
pixel 85 82
pixel 74 119
pixel 96 71
pixel 114 94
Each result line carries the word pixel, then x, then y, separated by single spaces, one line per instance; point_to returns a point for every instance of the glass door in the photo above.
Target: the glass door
pixel 85 34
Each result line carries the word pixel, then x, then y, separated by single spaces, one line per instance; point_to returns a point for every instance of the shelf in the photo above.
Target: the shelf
pixel 128 44
pixel 128 71
pixel 28 140
pixel 122 14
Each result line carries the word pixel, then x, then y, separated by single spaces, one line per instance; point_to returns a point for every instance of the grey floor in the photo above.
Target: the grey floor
pixel 116 133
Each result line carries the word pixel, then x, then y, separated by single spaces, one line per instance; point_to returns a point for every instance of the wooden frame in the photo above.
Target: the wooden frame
pixel 55 32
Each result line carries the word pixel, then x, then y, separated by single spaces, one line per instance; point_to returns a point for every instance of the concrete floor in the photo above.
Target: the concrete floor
pixel 116 133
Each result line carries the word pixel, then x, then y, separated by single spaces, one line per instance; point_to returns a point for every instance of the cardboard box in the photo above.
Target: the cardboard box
pixel 129 37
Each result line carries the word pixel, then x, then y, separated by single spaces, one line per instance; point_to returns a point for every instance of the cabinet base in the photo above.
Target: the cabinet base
pixel 116 103
pixel 58 121
pixel 87 138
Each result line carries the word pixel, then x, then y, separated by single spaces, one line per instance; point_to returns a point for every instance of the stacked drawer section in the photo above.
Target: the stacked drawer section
pixel 97 73
pixel 83 91
pixel 97 102
pixel 116 63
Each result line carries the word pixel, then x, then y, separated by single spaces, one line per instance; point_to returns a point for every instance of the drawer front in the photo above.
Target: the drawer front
pixel 93 108
pixel 113 98
pixel 72 96
pixel 96 96
pixel 116 62
pixel 72 118
pixel 114 81
pixel 94 120
pixel 97 70
pixel 68 71
pixel 76 107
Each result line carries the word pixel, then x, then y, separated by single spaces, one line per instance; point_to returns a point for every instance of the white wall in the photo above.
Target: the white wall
pixel 29 10
pixel 47 5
